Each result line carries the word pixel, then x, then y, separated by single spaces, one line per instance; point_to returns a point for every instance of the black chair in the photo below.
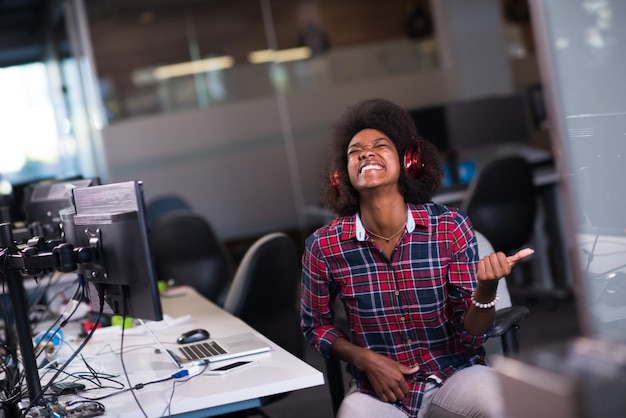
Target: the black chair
pixel 503 340
pixel 502 202
pixel 163 205
pixel 187 251
pixel 265 294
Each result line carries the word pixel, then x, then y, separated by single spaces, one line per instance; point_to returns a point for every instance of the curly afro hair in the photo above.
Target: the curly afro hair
pixel 398 125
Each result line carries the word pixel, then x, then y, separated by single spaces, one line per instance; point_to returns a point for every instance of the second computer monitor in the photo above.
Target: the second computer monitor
pixel 487 122
pixel 44 203
pixel 111 219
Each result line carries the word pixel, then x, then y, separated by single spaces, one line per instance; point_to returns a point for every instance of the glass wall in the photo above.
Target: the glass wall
pixel 155 57
pixel 583 65
pixel 43 134
pixel 28 136
pixel 233 98
pixel 229 102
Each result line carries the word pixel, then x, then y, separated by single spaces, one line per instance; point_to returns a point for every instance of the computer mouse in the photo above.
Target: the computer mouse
pixel 192 336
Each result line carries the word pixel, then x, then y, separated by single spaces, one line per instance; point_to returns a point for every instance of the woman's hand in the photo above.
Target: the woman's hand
pixel 387 376
pixel 497 265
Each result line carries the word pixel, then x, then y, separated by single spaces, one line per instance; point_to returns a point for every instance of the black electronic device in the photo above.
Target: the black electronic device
pixel 14 200
pixel 487 122
pixel 62 388
pixel 432 125
pixel 193 336
pixel 473 124
pixel 227 368
pixel 45 201
pixel 111 219
pixel 107 243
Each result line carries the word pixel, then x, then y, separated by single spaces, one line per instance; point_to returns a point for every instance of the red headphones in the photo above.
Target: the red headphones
pixel 413 165
pixel 413 161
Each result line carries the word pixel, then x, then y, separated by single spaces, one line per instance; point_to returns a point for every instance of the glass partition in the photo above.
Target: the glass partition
pixel 583 62
pixel 155 57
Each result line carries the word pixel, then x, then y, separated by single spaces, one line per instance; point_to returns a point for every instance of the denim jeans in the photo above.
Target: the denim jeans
pixel 472 392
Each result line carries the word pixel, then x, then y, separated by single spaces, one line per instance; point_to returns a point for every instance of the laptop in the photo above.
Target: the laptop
pixel 213 350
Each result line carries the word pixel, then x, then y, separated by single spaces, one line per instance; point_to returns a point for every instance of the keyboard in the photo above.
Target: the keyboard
pixel 202 350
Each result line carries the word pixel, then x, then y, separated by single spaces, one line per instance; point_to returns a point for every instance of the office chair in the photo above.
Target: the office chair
pixel 501 201
pixel 187 251
pixel 163 205
pixel 503 336
pixel 265 294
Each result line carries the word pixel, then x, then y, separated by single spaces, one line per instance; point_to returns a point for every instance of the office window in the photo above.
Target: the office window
pixel 156 57
pixel 29 145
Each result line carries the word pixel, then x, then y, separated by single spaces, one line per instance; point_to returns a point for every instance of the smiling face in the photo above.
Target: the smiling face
pixel 372 160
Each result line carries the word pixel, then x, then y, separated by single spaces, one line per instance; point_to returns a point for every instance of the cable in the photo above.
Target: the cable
pixel 192 372
pixel 93 377
pixel 70 359
pixel 139 386
pixel 62 290
pixel 124 309
pixel 63 318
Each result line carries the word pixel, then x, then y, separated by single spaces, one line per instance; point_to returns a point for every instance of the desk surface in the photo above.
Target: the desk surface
pixel 275 372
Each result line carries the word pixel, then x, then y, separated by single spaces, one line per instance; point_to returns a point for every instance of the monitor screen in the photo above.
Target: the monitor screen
pixel 112 219
pixel 14 200
pixel 45 201
pixel 487 122
pixel 431 124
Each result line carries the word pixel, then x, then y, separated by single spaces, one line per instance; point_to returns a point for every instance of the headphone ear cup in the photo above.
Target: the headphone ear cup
pixel 413 161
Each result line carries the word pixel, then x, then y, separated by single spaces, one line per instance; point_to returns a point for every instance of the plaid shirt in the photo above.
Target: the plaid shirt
pixel 408 307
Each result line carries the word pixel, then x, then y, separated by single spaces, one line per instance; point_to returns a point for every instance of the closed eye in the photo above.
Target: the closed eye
pixel 378 143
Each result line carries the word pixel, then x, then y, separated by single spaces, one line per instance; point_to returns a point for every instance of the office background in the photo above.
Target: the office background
pixel 245 143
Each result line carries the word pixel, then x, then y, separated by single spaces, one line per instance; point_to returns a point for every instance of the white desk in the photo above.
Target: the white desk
pixel 276 371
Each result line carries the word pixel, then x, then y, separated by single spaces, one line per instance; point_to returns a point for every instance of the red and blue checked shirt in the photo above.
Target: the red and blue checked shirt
pixel 409 307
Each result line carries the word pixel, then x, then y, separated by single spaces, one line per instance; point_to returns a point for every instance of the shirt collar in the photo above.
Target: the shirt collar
pixel 360 229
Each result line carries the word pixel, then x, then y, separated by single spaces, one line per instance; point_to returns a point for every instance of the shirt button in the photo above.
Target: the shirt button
pixel 402 319
pixel 409 341
pixel 397 293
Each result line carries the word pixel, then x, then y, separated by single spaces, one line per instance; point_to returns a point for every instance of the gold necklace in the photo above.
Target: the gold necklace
pixel 387 239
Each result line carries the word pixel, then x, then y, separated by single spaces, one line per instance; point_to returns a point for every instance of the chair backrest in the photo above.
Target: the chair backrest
pixel 163 205
pixel 265 291
pixel 501 201
pixel 187 251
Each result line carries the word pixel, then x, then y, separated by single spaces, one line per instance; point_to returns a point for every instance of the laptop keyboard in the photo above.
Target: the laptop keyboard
pixel 202 350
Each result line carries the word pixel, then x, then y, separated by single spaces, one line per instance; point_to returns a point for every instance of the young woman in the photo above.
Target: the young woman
pixel 419 303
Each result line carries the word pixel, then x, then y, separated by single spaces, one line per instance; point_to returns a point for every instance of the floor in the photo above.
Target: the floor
pixel 550 325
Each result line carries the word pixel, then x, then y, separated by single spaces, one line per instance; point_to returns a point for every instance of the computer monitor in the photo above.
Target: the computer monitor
pixel 111 218
pixel 431 123
pixel 14 200
pixel 45 201
pixel 487 122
